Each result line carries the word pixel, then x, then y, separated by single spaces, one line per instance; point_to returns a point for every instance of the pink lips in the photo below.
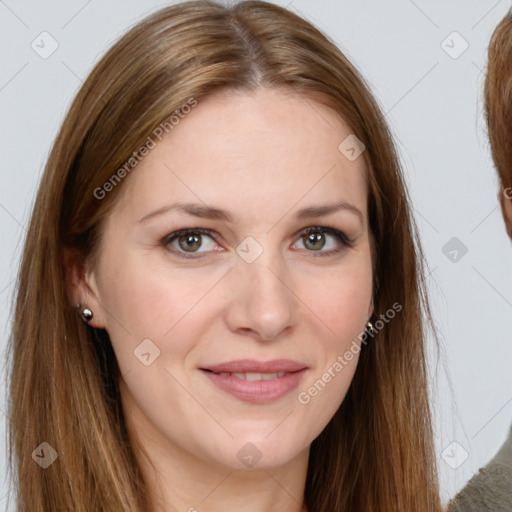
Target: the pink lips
pixel 258 389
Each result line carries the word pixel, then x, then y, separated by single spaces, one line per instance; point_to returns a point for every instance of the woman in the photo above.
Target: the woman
pixel 220 300
pixel 491 488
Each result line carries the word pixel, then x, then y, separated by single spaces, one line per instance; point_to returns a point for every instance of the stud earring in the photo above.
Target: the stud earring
pixel 370 327
pixel 85 313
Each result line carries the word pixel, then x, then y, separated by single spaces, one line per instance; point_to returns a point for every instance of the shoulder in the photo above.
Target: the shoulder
pixel 491 488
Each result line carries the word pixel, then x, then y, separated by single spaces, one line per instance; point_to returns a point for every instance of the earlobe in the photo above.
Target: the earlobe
pixel 82 290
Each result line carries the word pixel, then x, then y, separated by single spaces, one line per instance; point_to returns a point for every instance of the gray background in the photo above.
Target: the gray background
pixel 433 102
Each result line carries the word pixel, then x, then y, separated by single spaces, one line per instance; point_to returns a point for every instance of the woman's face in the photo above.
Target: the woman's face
pixel 224 334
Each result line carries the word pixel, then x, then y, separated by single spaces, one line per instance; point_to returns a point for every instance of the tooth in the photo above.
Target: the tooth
pixel 253 376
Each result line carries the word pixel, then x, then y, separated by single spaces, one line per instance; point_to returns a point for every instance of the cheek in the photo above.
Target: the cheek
pixel 341 298
pixel 149 298
pixel 146 298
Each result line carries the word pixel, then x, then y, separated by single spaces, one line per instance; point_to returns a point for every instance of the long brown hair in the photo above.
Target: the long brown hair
pixel 377 452
pixel 498 99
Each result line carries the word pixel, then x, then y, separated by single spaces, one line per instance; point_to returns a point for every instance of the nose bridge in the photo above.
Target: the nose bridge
pixel 266 274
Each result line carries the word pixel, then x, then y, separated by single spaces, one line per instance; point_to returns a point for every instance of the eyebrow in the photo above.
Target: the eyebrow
pixel 209 212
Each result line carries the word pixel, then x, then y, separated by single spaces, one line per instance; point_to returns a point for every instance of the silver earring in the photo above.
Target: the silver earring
pixel 85 313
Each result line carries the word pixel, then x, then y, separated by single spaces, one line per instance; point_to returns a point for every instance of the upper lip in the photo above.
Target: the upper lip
pixel 254 366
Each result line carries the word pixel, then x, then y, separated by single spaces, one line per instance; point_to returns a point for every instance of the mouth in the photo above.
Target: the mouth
pixel 256 382
pixel 247 366
pixel 252 376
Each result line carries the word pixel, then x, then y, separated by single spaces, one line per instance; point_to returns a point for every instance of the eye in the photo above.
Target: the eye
pixel 316 238
pixel 188 241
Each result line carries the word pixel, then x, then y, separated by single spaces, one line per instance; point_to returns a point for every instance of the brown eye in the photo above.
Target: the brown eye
pixel 314 241
pixel 324 240
pixel 190 242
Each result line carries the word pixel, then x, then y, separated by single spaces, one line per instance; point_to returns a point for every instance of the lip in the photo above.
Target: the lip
pixel 257 391
pixel 252 365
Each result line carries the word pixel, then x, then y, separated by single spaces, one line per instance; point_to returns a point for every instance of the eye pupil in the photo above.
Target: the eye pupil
pixel 317 240
pixel 189 242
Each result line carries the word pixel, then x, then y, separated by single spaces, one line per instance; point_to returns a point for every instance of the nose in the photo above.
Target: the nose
pixel 263 303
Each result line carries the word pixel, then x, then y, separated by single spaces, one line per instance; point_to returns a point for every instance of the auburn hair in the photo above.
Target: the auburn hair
pixel 498 99
pixel 377 452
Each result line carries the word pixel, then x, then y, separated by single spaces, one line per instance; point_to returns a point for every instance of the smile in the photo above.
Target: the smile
pixel 256 382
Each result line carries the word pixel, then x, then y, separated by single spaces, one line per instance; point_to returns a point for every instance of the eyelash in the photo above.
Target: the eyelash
pixel 340 236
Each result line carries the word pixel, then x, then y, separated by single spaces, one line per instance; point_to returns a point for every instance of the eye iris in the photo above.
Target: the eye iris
pixel 190 242
pixel 317 241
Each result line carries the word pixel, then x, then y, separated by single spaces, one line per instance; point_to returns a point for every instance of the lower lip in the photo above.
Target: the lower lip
pixel 257 391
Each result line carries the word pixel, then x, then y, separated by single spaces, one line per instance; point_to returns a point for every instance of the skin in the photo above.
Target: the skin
pixel 262 156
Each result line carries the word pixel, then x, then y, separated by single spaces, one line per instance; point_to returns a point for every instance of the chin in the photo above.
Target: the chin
pixel 251 453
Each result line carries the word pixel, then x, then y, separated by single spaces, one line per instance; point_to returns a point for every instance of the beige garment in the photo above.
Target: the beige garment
pixel 491 488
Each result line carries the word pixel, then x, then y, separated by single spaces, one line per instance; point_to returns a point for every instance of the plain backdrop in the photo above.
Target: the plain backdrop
pixel 425 61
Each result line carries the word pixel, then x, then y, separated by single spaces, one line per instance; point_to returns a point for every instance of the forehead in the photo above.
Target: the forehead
pixel 251 150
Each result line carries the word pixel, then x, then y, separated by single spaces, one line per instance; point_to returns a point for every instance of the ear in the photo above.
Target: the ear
pixel 505 199
pixel 81 287
pixel 370 310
